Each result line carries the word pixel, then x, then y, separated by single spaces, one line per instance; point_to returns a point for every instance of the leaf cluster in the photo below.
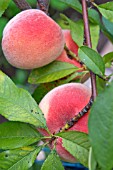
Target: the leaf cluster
pixel 19 137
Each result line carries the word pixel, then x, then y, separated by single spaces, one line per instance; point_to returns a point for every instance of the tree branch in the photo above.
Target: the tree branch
pixel 77 117
pixel 43 5
pixel 22 4
pixel 88 43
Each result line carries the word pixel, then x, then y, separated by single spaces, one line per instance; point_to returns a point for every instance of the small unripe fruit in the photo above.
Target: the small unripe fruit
pixel 32 39
pixel 59 106
pixel 71 46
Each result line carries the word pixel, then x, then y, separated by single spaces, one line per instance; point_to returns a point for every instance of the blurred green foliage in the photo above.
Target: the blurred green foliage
pixel 58 5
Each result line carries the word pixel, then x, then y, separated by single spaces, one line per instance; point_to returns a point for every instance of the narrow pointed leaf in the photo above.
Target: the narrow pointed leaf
pixel 77 143
pixel 3 21
pixel 106 28
pixel 108 59
pixel 16 134
pixel 17 104
pixel 20 159
pixel 52 162
pixel 77 31
pixel 94 16
pixel 106 10
pixel 73 4
pixel 92 60
pixel 3 6
pixel 95 32
pixel 101 128
pixel 51 72
pixel 101 84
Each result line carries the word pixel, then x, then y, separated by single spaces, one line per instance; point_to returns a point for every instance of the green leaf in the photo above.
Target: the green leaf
pixel 43 88
pixel 73 4
pixel 3 6
pixel 108 26
pixel 106 10
pixel 92 60
pixel 12 10
pixel 95 32
pixel 52 162
pixel 77 143
pixel 58 5
pixel 108 58
pixel 20 159
pixel 101 128
pixel 93 14
pixel 51 72
pixel 17 104
pixel 3 22
pixel 20 77
pixel 101 84
pixel 64 25
pixel 92 162
pixel 15 134
pixel 77 31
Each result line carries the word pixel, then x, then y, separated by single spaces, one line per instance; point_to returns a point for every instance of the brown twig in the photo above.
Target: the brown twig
pixel 87 42
pixel 22 4
pixel 43 5
pixel 76 118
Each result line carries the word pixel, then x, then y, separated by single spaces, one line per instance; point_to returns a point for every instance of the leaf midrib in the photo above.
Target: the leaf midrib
pixel 76 144
pixel 95 64
pixel 58 71
pixel 18 137
pixel 21 159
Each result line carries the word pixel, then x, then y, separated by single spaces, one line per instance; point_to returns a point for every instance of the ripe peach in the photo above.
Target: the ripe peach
pixel 71 46
pixel 59 106
pixel 32 39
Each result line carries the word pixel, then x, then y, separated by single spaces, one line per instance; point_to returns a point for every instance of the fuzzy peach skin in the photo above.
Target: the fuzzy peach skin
pixel 59 106
pixel 32 39
pixel 71 46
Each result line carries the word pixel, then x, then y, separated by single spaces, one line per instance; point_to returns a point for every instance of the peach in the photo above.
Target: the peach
pixel 71 46
pixel 32 39
pixel 59 106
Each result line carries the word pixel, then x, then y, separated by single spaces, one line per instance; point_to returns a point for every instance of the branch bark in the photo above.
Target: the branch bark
pixel 43 5
pixel 22 4
pixel 88 43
